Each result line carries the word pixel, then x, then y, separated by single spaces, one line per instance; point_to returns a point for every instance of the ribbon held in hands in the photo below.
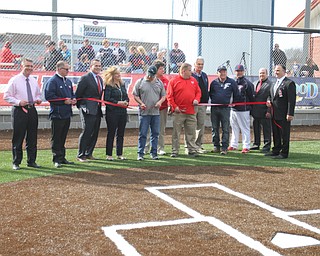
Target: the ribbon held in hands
pixel 93 99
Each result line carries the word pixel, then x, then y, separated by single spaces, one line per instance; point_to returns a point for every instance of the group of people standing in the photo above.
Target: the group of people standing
pixel 185 96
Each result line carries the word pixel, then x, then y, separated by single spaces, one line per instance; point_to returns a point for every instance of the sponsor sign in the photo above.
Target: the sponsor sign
pixel 307 88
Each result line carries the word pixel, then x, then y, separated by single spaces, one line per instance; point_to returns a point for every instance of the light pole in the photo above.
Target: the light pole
pixel 306 38
pixel 200 28
pixel 54 36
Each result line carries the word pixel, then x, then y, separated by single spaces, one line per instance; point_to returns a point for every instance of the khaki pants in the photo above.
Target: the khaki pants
pixel 201 117
pixel 189 122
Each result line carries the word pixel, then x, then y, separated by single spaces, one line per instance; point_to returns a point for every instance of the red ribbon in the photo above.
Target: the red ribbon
pixel 93 99
pixel 234 104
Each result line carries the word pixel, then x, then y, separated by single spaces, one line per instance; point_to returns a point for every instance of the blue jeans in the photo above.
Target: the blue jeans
pixel 220 115
pixel 154 123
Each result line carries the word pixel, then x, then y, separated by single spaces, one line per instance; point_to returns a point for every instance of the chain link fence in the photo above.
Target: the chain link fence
pixel 134 45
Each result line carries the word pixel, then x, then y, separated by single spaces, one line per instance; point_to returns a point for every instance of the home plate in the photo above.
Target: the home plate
pixel 285 241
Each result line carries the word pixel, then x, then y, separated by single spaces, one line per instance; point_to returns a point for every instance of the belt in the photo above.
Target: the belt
pixel 29 106
pixel 26 106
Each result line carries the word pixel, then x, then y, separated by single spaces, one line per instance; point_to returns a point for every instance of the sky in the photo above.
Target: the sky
pixel 285 11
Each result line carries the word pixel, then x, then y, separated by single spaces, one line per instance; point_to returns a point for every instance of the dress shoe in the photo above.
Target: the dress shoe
pixel 57 165
pixel 271 154
pixel 16 167
pixel 279 157
pixel 67 162
pixel 91 158
pixel 223 152
pixel 34 165
pixel 254 147
pixel 193 154
pixel 81 159
pixel 265 150
pixel 215 150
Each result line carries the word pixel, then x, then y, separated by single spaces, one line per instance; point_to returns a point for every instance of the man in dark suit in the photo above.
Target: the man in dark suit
pixel 282 100
pixel 90 86
pixel 261 113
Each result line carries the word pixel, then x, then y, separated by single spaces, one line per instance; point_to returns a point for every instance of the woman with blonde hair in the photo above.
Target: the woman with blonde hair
pixel 116 116
pixel 142 51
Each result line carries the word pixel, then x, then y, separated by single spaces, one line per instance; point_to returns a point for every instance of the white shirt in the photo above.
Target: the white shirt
pixel 277 84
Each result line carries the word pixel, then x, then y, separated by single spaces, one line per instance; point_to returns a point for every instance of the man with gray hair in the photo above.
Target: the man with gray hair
pixel 203 83
pixel 261 113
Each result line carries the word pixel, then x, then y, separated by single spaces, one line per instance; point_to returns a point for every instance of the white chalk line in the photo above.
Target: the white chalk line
pixel 303 212
pixel 124 246
pixel 128 249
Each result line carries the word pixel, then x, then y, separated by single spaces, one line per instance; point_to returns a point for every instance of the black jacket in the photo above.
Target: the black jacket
pixel 284 101
pixel 88 88
pixel 115 94
pixel 245 90
pixel 259 111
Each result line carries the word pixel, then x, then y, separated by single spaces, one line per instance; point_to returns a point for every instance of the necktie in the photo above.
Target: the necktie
pixel 259 86
pixel 29 93
pixel 99 84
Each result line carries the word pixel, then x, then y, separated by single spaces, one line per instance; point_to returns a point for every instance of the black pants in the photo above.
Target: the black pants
pixel 265 123
pixel 59 131
pixel 25 125
pixel 116 124
pixel 89 136
pixel 281 137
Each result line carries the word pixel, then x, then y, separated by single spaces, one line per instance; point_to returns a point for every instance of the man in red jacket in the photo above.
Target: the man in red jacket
pixel 183 95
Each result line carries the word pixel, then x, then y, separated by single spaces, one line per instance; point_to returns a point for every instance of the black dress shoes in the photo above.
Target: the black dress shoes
pixel 34 165
pixel 271 154
pixel 254 147
pixel 280 157
pixel 65 161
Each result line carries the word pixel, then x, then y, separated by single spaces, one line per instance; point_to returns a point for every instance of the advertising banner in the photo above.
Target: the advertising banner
pixel 307 88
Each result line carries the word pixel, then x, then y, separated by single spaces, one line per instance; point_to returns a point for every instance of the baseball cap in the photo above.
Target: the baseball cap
pixel 221 68
pixel 239 68
pixel 152 70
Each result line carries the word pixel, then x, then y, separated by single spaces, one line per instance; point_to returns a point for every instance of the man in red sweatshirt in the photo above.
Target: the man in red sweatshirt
pixel 183 96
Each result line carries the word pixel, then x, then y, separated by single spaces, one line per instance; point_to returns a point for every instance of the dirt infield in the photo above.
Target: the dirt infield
pixel 207 211
pixel 65 214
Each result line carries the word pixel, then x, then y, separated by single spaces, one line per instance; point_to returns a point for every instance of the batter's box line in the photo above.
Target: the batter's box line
pixel 128 250
pixel 275 211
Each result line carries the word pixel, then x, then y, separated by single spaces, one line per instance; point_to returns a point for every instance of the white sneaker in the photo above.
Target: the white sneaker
pixel 140 158
pixel 161 152
pixel 202 151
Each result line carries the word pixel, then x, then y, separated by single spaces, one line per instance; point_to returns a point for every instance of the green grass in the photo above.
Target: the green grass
pixel 303 154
